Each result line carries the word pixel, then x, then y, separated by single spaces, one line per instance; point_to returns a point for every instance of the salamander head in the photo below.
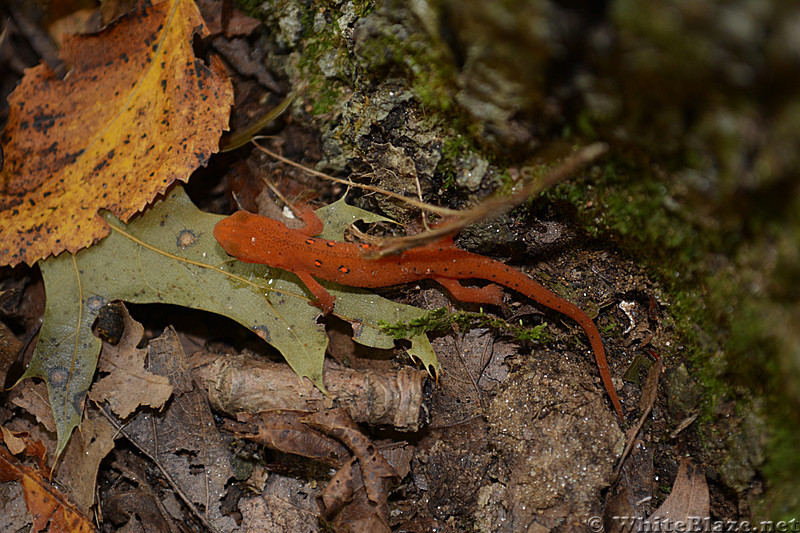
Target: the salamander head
pixel 248 237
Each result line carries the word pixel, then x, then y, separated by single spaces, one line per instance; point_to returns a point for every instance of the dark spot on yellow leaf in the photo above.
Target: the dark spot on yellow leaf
pixel 100 165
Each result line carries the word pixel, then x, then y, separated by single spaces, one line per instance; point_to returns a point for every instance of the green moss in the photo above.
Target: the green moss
pixel 610 328
pixel 639 211
pixel 732 295
pixel 440 320
pixel 250 7
pixel 324 91
pixel 782 468
pixel 455 147
pixel 363 7
pixel 639 214
pixel 431 75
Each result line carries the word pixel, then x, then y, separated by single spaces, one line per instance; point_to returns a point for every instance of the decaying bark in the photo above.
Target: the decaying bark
pixel 240 384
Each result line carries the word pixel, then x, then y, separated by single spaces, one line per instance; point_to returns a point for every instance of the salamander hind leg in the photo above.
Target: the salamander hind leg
pixel 490 294
pixel 324 299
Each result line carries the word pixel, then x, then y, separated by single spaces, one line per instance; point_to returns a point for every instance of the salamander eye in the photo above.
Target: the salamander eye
pixel 309 241
pixel 344 270
pixel 317 263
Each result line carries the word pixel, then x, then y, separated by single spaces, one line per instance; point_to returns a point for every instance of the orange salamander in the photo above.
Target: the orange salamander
pixel 259 239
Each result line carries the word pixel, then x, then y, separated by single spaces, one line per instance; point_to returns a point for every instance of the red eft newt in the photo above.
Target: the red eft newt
pixel 259 239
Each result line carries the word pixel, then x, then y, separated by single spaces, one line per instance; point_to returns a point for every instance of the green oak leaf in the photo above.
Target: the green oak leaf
pixel 336 217
pixel 169 255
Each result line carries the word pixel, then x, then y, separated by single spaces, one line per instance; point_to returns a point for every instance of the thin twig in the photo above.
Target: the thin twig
pixel 496 205
pixel 411 201
pixel 490 208
pixel 649 394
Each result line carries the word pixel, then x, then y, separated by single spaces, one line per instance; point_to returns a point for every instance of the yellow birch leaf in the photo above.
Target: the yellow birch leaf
pixel 136 111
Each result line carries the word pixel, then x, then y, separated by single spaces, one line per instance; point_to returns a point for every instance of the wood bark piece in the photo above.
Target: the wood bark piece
pixel 237 384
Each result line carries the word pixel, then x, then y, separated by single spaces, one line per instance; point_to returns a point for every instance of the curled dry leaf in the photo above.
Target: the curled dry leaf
pixel 345 501
pixel 136 112
pixel 375 469
pixel 20 441
pixel 359 491
pixel 283 431
pixel 14 444
pixel 339 492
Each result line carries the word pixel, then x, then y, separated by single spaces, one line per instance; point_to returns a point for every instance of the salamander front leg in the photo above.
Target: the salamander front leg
pixel 324 299
pixel 313 225
pixel 490 294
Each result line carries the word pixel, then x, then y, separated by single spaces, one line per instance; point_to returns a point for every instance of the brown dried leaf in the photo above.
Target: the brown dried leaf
pixel 285 432
pixel 32 448
pixel 51 510
pixel 10 347
pixel 33 398
pixel 136 112
pixel 80 462
pixel 339 491
pixel 346 498
pixel 48 506
pixel 284 505
pixel 354 500
pixel 689 500
pixel 128 385
pixel 139 505
pixel 13 442
pixel 182 439
pixel 375 469
pixel 237 23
